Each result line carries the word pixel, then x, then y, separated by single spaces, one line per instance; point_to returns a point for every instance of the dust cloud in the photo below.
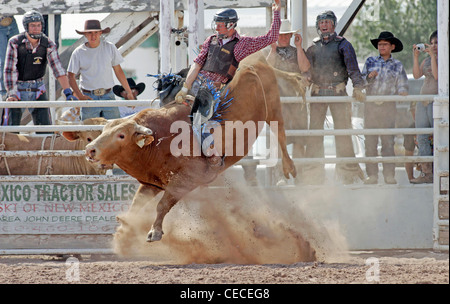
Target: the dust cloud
pixel 237 225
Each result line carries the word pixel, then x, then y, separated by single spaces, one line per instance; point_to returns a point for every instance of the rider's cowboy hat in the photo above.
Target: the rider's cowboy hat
pixel 93 26
pixel 285 27
pixel 388 36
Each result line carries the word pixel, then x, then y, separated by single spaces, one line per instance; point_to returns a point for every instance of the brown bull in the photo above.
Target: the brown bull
pixel 141 145
pixel 73 165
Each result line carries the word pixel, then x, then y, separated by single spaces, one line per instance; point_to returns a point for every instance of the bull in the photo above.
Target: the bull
pixel 143 145
pixel 71 140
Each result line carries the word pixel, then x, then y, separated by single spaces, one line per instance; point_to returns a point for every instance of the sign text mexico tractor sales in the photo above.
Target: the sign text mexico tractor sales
pixel 63 208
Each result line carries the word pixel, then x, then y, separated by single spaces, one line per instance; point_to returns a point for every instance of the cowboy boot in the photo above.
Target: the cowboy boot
pixel 426 177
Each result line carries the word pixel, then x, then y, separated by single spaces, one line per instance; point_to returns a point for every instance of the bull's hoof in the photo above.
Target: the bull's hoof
pixel 154 235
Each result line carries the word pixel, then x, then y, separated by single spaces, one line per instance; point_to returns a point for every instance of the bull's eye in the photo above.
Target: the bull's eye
pixel 89 139
pixel 121 136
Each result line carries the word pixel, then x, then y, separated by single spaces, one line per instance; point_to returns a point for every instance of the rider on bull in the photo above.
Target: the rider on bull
pixel 331 60
pixel 219 59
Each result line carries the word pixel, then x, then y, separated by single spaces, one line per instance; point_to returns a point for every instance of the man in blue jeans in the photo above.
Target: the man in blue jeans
pixel 8 29
pixel 27 56
pixel 385 75
pixel 95 61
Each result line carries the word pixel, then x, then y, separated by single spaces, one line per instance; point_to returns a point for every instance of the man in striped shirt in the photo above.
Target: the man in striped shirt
pixel 27 56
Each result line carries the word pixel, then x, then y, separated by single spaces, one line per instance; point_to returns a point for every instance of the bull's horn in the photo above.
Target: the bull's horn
pixel 143 130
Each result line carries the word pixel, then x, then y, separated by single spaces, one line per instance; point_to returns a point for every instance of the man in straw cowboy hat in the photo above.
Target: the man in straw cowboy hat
pixel 94 61
pixel 284 57
pixel 385 75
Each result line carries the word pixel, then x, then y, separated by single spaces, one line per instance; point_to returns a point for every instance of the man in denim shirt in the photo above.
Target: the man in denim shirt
pixel 385 75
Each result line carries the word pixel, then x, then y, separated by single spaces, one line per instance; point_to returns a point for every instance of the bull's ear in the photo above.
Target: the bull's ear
pixel 143 135
pixel 71 136
pixel 144 140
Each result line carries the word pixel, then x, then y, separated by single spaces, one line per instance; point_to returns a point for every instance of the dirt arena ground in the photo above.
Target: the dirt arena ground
pixel 382 267
pixel 256 242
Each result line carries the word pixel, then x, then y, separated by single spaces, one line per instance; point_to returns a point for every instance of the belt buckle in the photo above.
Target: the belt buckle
pixel 6 21
pixel 99 92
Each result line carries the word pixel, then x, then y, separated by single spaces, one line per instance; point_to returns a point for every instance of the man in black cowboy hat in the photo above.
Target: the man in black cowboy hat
pixel 94 61
pixel 137 90
pixel 385 75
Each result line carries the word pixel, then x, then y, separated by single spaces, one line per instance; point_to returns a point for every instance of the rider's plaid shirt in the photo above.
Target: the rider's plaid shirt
pixel 244 47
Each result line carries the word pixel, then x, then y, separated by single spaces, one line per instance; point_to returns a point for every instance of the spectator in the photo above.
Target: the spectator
pixel 94 61
pixel 137 90
pixel 424 110
pixel 219 59
pixel 331 60
pixel 27 56
pixel 8 29
pixel 385 75
pixel 284 56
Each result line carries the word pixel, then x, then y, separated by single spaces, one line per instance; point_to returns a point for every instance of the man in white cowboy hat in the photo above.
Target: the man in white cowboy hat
pixel 284 56
pixel 94 61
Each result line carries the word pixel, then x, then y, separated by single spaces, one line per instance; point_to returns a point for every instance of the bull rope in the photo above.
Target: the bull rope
pixel 49 168
pixel 2 147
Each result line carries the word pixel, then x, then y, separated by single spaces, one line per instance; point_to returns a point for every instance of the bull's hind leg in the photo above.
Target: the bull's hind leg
pixel 278 129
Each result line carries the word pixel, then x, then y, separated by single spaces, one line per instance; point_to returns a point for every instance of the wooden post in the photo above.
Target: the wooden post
pixel 165 32
pixel 298 13
pixel 196 27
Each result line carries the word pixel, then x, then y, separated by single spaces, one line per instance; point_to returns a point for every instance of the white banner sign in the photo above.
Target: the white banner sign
pixel 63 208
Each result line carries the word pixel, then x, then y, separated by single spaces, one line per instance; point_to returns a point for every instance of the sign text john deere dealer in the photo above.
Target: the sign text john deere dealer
pixel 63 208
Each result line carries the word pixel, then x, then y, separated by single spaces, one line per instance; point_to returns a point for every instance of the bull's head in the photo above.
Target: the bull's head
pixel 86 137
pixel 117 140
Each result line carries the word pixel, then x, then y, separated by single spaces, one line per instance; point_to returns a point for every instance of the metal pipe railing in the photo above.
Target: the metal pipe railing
pixel 327 99
pixel 109 103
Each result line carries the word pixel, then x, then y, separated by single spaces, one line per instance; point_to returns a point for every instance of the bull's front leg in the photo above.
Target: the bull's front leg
pixel 165 204
pixel 143 195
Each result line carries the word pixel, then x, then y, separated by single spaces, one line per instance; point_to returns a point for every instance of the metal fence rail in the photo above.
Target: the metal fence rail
pixel 335 132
